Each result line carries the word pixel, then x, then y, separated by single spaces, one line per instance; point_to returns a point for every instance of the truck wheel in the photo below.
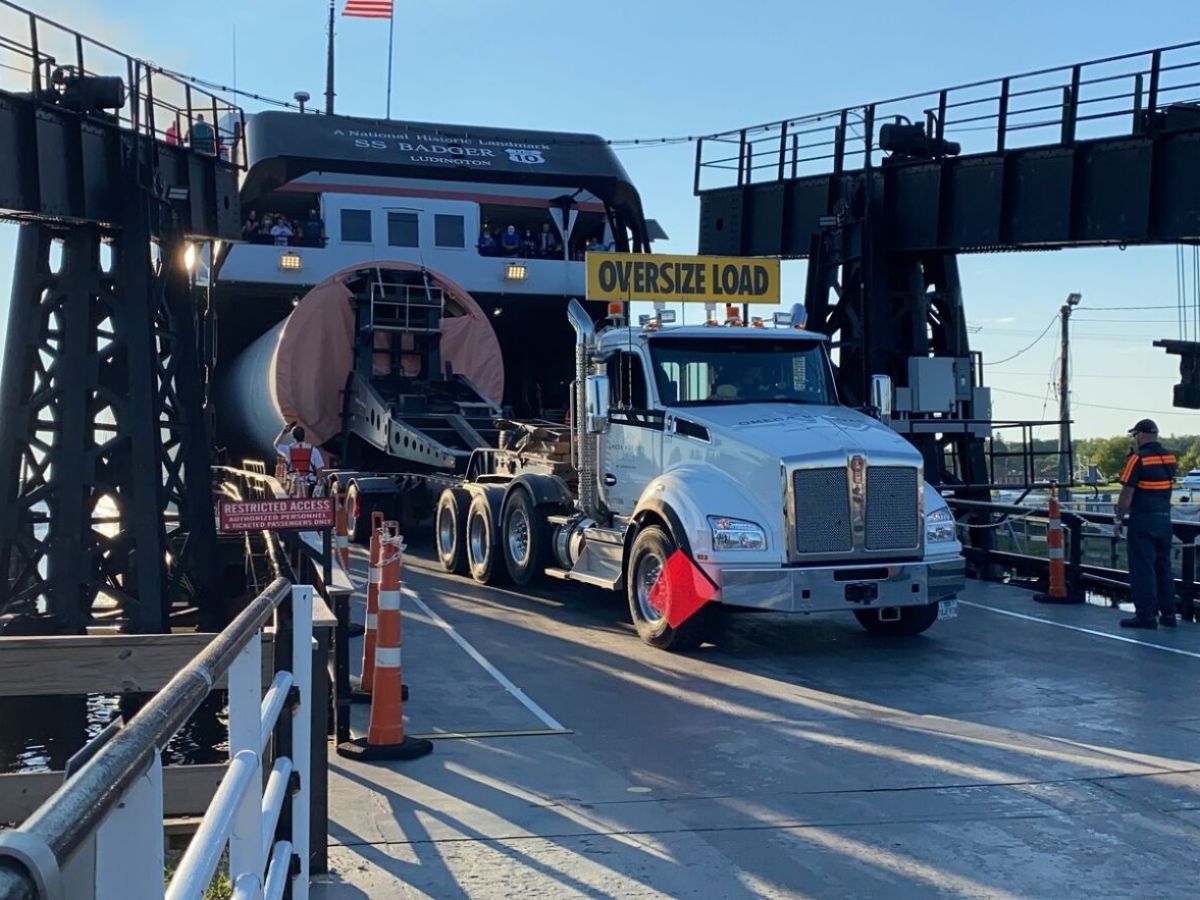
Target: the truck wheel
pixel 358 516
pixel 913 620
pixel 484 560
pixel 650 552
pixel 450 529
pixel 524 540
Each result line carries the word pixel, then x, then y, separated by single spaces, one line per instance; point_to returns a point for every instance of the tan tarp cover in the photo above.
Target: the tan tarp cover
pixel 315 352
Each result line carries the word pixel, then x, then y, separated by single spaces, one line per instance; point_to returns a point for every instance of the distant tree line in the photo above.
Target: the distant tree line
pixel 1106 454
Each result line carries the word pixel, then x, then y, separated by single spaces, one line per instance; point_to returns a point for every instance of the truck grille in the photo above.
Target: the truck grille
pixel 892 508
pixel 822 511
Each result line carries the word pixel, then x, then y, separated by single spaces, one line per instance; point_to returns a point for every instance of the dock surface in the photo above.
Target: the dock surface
pixel 1016 751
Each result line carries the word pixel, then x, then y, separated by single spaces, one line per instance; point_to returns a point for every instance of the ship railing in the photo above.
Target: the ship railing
pixel 49 60
pixel 100 835
pixel 1008 540
pixel 1133 94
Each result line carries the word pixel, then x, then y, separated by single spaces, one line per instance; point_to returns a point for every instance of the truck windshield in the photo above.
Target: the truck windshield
pixel 691 371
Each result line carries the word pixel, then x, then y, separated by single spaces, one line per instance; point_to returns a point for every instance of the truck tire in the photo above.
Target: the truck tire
pixel 450 529
pixel 358 516
pixel 913 620
pixel 525 537
pixel 484 559
pixel 650 551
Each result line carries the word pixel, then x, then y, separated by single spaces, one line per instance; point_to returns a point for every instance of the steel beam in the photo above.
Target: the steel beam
pixel 1142 189
pixel 60 164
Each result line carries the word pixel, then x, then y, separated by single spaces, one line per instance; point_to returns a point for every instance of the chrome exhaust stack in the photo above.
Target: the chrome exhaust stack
pixel 585 456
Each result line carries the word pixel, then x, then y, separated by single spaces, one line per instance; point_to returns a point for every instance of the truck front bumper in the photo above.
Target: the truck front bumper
pixel 843 588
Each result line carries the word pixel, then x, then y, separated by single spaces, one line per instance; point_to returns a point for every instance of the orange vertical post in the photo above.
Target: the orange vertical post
pixel 385 735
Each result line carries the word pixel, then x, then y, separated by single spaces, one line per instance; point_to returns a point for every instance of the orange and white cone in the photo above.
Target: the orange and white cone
pixel 1057 589
pixel 385 738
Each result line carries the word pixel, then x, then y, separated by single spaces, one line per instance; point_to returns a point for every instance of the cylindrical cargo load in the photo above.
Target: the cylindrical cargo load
pixel 298 370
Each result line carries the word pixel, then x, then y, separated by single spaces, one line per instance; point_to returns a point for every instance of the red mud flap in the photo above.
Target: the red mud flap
pixel 681 590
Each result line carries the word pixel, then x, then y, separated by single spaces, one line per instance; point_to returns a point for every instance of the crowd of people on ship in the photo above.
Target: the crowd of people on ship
pixel 512 241
pixel 283 231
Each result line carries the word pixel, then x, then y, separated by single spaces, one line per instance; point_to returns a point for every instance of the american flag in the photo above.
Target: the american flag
pixel 368 9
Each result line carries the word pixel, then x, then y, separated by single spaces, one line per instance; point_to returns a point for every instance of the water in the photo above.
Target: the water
pixel 41 733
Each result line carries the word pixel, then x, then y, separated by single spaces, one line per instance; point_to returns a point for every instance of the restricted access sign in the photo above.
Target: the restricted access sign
pixel 674 279
pixel 308 514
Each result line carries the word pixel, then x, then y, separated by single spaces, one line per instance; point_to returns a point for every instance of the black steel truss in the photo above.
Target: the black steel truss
pixel 105 486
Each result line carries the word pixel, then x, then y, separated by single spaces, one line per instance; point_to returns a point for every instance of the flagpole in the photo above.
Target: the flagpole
pixel 329 65
pixel 391 35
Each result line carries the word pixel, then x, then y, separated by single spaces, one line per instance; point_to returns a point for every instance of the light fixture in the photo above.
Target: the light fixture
pixel 516 272
pixel 290 262
pixel 189 257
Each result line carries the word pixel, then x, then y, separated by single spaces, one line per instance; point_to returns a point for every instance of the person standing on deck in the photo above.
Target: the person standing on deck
pixel 1145 503
pixel 301 457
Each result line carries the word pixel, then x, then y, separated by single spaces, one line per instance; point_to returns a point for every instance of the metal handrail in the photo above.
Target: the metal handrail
pixel 1132 96
pixel 76 809
pixel 145 110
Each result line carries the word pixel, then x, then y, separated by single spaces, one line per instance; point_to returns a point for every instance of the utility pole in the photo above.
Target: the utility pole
pixel 1065 475
pixel 329 65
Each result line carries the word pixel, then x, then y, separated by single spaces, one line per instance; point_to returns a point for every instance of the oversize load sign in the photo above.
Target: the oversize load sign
pixel 699 279
pixel 277 515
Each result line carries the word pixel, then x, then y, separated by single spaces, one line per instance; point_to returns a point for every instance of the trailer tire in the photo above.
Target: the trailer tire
pixel 913 620
pixel 651 549
pixel 450 529
pixel 524 538
pixel 484 559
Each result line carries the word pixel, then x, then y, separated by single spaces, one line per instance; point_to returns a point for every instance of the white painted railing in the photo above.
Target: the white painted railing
pixel 100 836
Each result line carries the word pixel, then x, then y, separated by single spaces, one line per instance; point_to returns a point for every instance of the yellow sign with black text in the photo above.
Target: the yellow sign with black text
pixel 694 279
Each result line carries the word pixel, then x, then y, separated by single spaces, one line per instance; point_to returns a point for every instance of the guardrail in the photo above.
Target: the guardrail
pixel 101 834
pixel 1126 94
pixel 1093 555
pixel 44 57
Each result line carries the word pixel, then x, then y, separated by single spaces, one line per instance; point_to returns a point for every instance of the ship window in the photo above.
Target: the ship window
pixel 402 229
pixel 449 231
pixel 356 225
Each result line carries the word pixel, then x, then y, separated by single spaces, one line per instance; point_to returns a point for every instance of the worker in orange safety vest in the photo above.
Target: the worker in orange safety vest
pixel 301 457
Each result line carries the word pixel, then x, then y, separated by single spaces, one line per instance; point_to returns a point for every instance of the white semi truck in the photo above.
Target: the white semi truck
pixel 727 443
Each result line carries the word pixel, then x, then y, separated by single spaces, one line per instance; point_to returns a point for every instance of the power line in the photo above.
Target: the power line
pixel 1157 412
pixel 1045 331
pixel 1088 375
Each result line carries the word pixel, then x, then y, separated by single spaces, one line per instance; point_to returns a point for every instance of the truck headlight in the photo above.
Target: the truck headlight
pixel 939 526
pixel 736 534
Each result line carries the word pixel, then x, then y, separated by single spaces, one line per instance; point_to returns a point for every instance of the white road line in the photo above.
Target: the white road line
pixel 1102 634
pixel 548 720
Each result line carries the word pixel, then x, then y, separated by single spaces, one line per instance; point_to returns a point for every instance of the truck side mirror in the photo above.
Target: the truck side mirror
pixel 596 414
pixel 881 396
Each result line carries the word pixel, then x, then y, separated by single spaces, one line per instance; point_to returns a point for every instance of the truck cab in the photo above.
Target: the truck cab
pixel 727 444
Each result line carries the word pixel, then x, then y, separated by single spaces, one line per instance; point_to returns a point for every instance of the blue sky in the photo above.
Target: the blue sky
pixel 669 67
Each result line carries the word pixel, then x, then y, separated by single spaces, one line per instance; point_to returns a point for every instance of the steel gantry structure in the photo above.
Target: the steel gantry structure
pixel 882 198
pixel 105 449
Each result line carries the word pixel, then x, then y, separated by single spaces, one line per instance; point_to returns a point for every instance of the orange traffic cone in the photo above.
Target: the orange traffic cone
pixel 385 736
pixel 1057 592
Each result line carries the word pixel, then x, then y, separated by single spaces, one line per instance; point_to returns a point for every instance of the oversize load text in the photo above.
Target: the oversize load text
pixel 640 276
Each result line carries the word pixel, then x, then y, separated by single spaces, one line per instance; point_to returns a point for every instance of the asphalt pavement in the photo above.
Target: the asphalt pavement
pixel 1016 751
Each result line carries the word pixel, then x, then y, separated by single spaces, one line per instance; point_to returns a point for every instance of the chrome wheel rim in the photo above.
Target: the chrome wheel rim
pixel 445 532
pixel 477 539
pixel 649 568
pixel 518 536
pixel 351 518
